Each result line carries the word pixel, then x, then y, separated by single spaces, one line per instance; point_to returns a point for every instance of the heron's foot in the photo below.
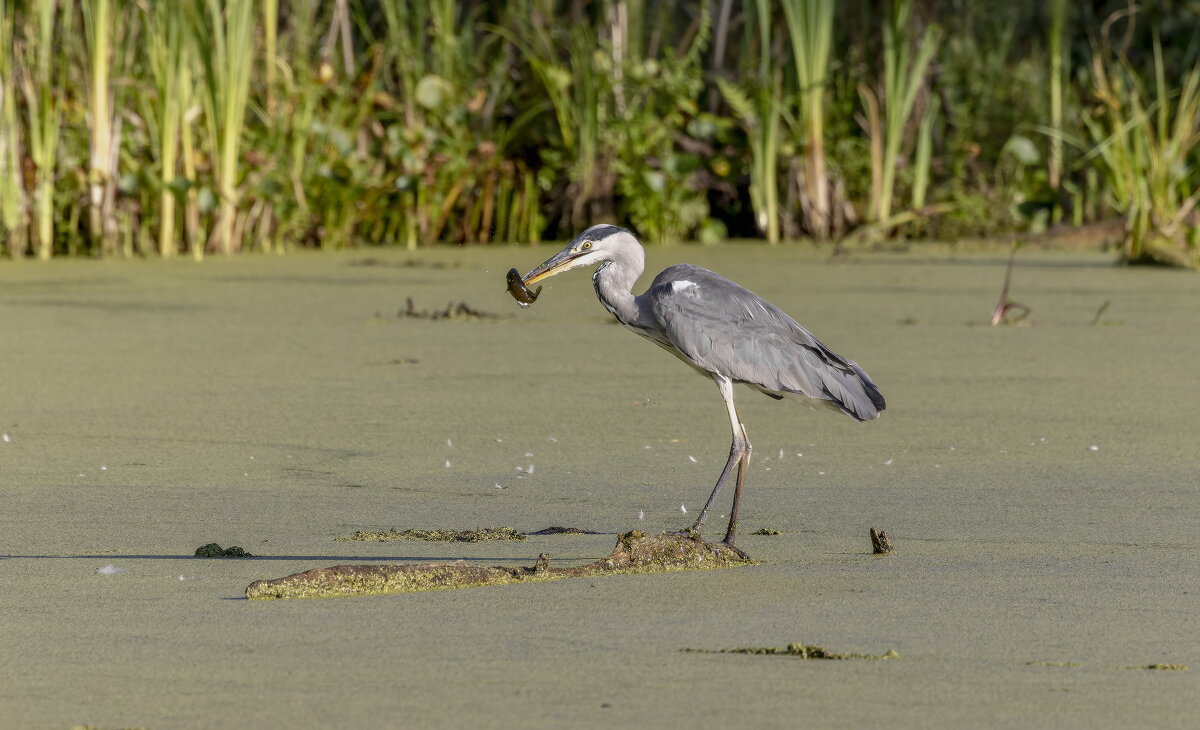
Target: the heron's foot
pixel 740 553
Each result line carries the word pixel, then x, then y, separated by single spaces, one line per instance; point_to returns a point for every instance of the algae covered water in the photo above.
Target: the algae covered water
pixel 1037 481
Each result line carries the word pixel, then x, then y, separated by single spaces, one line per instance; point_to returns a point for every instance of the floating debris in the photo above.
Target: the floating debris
pixel 880 544
pixel 803 651
pixel 1164 667
pixel 459 311
pixel 213 550
pixel 635 552
pixel 563 531
pixel 109 570
pixel 765 531
pixel 407 263
pixel 1152 667
pixel 482 535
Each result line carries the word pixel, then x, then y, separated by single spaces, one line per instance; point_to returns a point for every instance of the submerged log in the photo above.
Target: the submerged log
pixel 635 552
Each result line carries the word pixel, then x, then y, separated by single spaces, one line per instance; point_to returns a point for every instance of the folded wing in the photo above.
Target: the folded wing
pixel 721 327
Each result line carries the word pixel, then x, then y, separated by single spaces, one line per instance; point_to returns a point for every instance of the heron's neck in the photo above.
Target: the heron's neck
pixel 614 282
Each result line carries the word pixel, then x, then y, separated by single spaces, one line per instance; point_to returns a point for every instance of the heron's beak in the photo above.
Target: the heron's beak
pixel 556 264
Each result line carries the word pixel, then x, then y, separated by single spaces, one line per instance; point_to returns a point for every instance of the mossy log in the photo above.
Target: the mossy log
pixel 635 552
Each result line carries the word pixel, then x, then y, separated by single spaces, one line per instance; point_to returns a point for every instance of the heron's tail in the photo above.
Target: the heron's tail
pixel 872 392
pixel 853 393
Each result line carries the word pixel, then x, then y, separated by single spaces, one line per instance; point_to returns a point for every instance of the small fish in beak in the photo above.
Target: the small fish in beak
pixel 520 292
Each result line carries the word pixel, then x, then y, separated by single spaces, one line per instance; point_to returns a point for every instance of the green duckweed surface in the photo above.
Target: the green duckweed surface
pixel 1039 481
pixel 438 535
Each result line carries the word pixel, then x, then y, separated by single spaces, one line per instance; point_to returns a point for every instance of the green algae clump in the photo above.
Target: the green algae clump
pixel 635 552
pixel 213 550
pixel 481 535
pixel 797 649
pixel 1164 667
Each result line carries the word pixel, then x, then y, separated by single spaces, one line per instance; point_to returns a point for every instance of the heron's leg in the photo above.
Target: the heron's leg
pixel 739 449
pixel 743 466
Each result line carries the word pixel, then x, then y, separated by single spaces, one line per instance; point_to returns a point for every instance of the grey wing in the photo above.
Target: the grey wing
pixel 721 327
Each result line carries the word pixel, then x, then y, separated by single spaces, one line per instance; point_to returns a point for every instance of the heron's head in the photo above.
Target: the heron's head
pixel 594 246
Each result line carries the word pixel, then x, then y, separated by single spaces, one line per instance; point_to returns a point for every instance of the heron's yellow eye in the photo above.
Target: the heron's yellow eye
pixel 586 245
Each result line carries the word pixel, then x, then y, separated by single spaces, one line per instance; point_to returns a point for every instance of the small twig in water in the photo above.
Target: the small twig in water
pixel 880 543
pixel 1006 306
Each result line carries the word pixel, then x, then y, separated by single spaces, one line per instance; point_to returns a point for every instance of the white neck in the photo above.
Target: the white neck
pixel 614 282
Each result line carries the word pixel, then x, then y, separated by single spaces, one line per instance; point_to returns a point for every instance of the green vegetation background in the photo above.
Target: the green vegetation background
pixel 141 127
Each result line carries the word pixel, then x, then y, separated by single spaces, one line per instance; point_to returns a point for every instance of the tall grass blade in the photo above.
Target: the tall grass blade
pixel 902 81
pixel 14 225
pixel 1059 10
pixel 98 22
pixel 43 77
pixel 810 27
pixel 923 157
pixel 224 38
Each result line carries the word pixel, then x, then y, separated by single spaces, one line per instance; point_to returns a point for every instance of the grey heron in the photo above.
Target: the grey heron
pixel 723 331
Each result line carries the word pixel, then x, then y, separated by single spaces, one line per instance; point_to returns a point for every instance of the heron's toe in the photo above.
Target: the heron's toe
pixel 740 553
